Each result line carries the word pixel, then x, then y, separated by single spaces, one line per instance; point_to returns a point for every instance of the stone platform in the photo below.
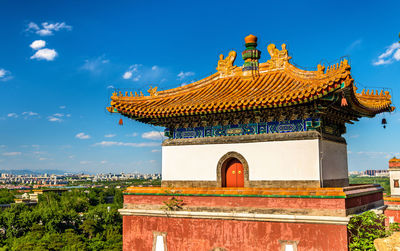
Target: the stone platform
pixel 245 218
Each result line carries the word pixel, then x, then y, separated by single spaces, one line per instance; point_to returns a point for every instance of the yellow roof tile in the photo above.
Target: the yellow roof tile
pixel 279 83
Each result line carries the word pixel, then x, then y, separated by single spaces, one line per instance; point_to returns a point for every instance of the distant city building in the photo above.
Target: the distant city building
pixel 12 181
pixel 376 172
pixel 356 173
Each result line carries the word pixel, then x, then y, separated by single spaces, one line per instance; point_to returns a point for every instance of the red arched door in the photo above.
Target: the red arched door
pixel 234 174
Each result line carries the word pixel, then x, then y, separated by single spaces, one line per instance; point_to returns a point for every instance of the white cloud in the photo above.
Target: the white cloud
pixel 115 143
pixel 133 70
pixel 103 162
pixel 391 55
pixel 47 28
pixel 396 55
pixel 11 153
pixel 62 107
pixel 110 87
pixel 44 32
pixel 42 158
pixel 12 115
pixel 82 135
pixel 155 150
pixel 85 162
pixel 127 75
pixel 30 114
pixel 32 26
pixel 110 135
pixel 54 119
pixel 354 45
pixel 4 75
pixel 139 72
pixel 154 135
pixel 132 134
pixel 56 26
pixel 45 54
pixel 182 75
pixel 39 152
pixel 95 65
pixel 38 44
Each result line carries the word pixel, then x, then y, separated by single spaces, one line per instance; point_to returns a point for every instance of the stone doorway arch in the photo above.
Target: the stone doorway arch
pixel 222 165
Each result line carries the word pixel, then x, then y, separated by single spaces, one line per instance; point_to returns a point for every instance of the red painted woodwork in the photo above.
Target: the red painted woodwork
pixel 234 174
pixel 189 234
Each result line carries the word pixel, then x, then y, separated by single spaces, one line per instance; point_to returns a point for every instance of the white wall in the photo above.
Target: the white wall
pixel 333 160
pixel 394 175
pixel 274 160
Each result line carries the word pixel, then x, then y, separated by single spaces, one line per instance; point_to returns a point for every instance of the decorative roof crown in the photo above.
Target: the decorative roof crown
pixel 250 39
pixel 251 56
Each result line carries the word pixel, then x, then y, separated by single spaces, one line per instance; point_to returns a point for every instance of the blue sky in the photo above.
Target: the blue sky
pixel 59 58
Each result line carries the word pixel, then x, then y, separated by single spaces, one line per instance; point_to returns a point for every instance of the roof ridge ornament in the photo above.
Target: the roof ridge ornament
pixel 321 69
pixel 250 56
pixel 225 66
pixel 278 57
pixel 153 91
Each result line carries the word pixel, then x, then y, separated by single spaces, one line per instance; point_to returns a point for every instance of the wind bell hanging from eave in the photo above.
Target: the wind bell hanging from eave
pixel 120 122
pixel 344 101
pixel 384 123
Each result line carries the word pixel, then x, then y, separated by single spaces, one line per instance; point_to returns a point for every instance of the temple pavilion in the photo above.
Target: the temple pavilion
pixel 256 154
pixel 393 200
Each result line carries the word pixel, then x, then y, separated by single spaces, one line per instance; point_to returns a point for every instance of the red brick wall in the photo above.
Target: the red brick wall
pixel 364 199
pixel 392 213
pixel 204 234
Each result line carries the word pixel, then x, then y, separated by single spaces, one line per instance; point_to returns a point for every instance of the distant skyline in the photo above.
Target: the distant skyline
pixel 59 62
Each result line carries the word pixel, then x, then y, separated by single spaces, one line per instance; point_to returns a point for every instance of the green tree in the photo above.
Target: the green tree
pixel 16 220
pixel 6 196
pixel 364 229
pixel 76 220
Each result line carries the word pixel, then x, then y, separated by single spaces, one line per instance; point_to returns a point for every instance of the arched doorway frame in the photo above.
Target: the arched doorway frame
pixel 223 161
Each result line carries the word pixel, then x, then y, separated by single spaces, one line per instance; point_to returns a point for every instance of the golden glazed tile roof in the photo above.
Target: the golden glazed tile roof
pixel 276 83
pixel 394 159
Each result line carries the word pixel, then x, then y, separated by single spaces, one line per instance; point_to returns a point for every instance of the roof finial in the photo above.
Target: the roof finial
pixel 250 56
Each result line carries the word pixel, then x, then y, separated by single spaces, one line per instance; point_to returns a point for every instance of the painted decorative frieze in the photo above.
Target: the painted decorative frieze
pixel 300 125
